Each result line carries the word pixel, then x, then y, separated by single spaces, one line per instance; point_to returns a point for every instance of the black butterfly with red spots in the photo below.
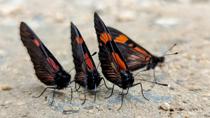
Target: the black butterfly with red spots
pixel 86 71
pixel 47 68
pixel 113 64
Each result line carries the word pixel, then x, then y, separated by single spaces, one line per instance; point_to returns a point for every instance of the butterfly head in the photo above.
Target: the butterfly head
pixel 62 79
pixel 154 61
pixel 160 59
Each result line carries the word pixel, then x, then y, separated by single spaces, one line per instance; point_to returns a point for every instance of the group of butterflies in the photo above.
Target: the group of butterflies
pixel 118 54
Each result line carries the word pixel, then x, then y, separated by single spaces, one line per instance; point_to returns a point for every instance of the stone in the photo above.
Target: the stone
pixel 5 88
pixel 165 106
pixel 70 109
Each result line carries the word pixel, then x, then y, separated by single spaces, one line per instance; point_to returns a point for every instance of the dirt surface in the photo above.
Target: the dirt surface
pixel 155 24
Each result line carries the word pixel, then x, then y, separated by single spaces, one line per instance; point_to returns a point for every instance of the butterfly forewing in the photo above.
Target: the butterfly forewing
pixel 44 62
pixel 112 62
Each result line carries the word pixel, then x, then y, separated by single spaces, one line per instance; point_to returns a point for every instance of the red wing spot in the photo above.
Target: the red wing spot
pixel 88 61
pixel 52 64
pixel 79 40
pixel 36 42
pixel 50 78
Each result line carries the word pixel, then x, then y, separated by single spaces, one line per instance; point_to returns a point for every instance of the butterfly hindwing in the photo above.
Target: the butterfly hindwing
pixel 44 62
pixel 136 57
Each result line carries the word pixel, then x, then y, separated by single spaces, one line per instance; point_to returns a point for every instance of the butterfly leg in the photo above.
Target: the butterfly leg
pixel 106 84
pixel 43 92
pixel 53 97
pixel 111 92
pixel 142 90
pixel 155 81
pixel 95 94
pixel 71 95
pixel 84 98
pixel 77 89
pixel 127 91
pixel 122 98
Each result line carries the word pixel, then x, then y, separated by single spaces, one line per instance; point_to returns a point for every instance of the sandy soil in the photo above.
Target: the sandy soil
pixel 155 24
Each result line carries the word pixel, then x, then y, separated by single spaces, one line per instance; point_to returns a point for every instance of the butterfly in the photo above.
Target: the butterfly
pixel 86 71
pixel 47 69
pixel 136 56
pixel 113 64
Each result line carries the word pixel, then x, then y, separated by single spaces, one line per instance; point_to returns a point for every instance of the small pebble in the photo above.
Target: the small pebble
pixel 7 102
pixel 20 103
pixel 70 109
pixel 91 111
pixel 165 106
pixel 5 88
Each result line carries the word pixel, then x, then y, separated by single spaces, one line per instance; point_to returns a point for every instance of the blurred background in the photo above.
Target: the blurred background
pixel 154 24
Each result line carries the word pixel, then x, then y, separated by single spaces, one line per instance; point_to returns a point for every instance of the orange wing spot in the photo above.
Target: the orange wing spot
pixel 36 42
pixel 79 40
pixel 119 61
pixel 121 39
pixel 105 37
pixel 88 61
pixel 52 64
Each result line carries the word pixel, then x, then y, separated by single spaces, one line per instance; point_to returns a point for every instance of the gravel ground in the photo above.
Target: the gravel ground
pixel 155 24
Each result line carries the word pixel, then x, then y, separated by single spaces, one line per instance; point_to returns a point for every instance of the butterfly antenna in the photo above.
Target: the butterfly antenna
pixel 166 53
pixel 175 53
pixel 153 82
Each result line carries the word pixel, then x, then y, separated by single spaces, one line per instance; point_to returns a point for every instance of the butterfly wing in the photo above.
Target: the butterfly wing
pixel 44 62
pixel 112 62
pixel 135 55
pixel 83 61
